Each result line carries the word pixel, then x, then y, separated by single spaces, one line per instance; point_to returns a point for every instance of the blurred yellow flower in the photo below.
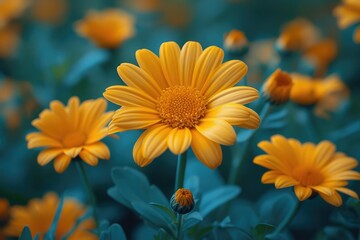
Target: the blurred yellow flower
pixel 10 9
pixel 297 35
pixel 309 168
pixel 38 215
pixel 348 13
pixel 186 97
pixel 9 39
pixel 49 11
pixel 4 208
pixel 277 87
pixel 145 5
pixel 71 131
pixel 235 41
pixel 326 93
pixel 108 28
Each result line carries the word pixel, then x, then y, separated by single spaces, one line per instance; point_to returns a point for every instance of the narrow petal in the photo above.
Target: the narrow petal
pixel 302 193
pixel 323 189
pixel 155 142
pixel 47 155
pixel 61 163
pixel 226 76
pixel 179 140
pixel 357 35
pixel 73 108
pixel 334 199
pixel 239 94
pixel 170 62
pixel 129 97
pixel 349 192
pixel 273 163
pixel 189 55
pixel 37 139
pixel 73 152
pixel 59 109
pixel 217 130
pixel 270 177
pixel 138 153
pixel 88 157
pixel 324 153
pixel 148 61
pixel 128 118
pixel 284 181
pixel 209 60
pixel 99 150
pixel 137 78
pixel 207 151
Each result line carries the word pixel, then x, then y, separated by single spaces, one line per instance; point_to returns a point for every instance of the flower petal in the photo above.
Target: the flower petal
pixel 99 150
pixel 61 163
pixel 349 192
pixel 189 55
pixel 209 60
pixel 273 163
pixel 170 62
pixel 37 139
pixel 129 97
pixel 47 155
pixel 88 157
pixel 323 189
pixel 324 152
pixel 334 199
pixel 270 176
pixel 207 151
pixel 284 181
pixel 217 130
pixel 239 94
pixel 226 76
pixel 302 193
pixel 72 152
pixel 137 150
pixel 179 140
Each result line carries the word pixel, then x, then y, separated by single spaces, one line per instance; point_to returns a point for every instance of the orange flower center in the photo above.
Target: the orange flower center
pixel 181 106
pixel 308 176
pixel 184 197
pixel 74 139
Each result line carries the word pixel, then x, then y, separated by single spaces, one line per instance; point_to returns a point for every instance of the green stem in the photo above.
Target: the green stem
pixel 88 189
pixel 180 171
pixel 287 220
pixel 179 220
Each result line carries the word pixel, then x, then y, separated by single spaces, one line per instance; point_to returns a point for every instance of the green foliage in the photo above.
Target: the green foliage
pixel 26 234
pixel 50 235
pixel 114 232
pixel 334 233
pixel 261 230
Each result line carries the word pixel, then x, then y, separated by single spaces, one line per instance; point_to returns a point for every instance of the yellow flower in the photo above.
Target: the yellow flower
pixel 235 41
pixel 297 35
pixel 278 86
pixel 108 28
pixel 49 11
pixel 38 215
pixel 348 14
pixel 186 97
pixel 4 208
pixel 71 131
pixel 10 9
pixel 326 93
pixel 307 167
pixel 9 38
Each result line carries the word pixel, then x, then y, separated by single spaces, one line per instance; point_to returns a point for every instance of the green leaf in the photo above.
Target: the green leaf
pixel 335 233
pixel 165 209
pixel 262 229
pixel 50 235
pixel 215 198
pixel 192 219
pixel 114 232
pixel 25 234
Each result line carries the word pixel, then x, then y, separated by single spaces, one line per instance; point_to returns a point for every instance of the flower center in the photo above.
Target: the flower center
pixel 308 176
pixel 74 139
pixel 181 106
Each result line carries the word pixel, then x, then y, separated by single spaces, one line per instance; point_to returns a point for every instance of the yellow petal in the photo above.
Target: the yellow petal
pixel 270 177
pixel 155 142
pixel 189 55
pixel 129 97
pixel 284 181
pixel 349 192
pixel 59 109
pixel 148 61
pixel 334 199
pixel 302 193
pixel 271 162
pixel 73 107
pixel 209 60
pixel 207 151
pixel 61 162
pixel 99 150
pixel 72 152
pixel 179 140
pixel 138 153
pixel 137 78
pixel 357 35
pixel 217 130
pixel 226 76
pixel 91 110
pixel 324 152
pixel 37 139
pixel 323 189
pixel 239 94
pixel 170 62
pixel 88 157
pixel 47 155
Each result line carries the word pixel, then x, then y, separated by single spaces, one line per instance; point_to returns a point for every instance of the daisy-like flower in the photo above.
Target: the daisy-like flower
pixel 39 214
pixel 309 168
pixel 348 14
pixel 4 208
pixel 186 97
pixel 278 86
pixel 108 28
pixel 71 131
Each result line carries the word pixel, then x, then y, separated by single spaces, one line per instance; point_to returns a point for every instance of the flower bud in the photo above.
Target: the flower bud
pixel 277 87
pixel 182 201
pixel 235 43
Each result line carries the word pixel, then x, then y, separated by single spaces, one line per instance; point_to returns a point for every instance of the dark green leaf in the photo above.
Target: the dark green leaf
pixel 114 232
pixel 262 229
pixel 50 235
pixel 25 234
pixel 192 219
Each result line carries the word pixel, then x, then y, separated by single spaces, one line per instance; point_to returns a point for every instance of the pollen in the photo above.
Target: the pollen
pixel 308 176
pixel 181 106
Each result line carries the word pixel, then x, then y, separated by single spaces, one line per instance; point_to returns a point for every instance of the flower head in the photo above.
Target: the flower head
pixel 108 28
pixel 236 42
pixel 71 131
pixel 4 208
pixel 182 201
pixel 348 14
pixel 309 168
pixel 186 97
pixel 38 215
pixel 10 9
pixel 278 86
